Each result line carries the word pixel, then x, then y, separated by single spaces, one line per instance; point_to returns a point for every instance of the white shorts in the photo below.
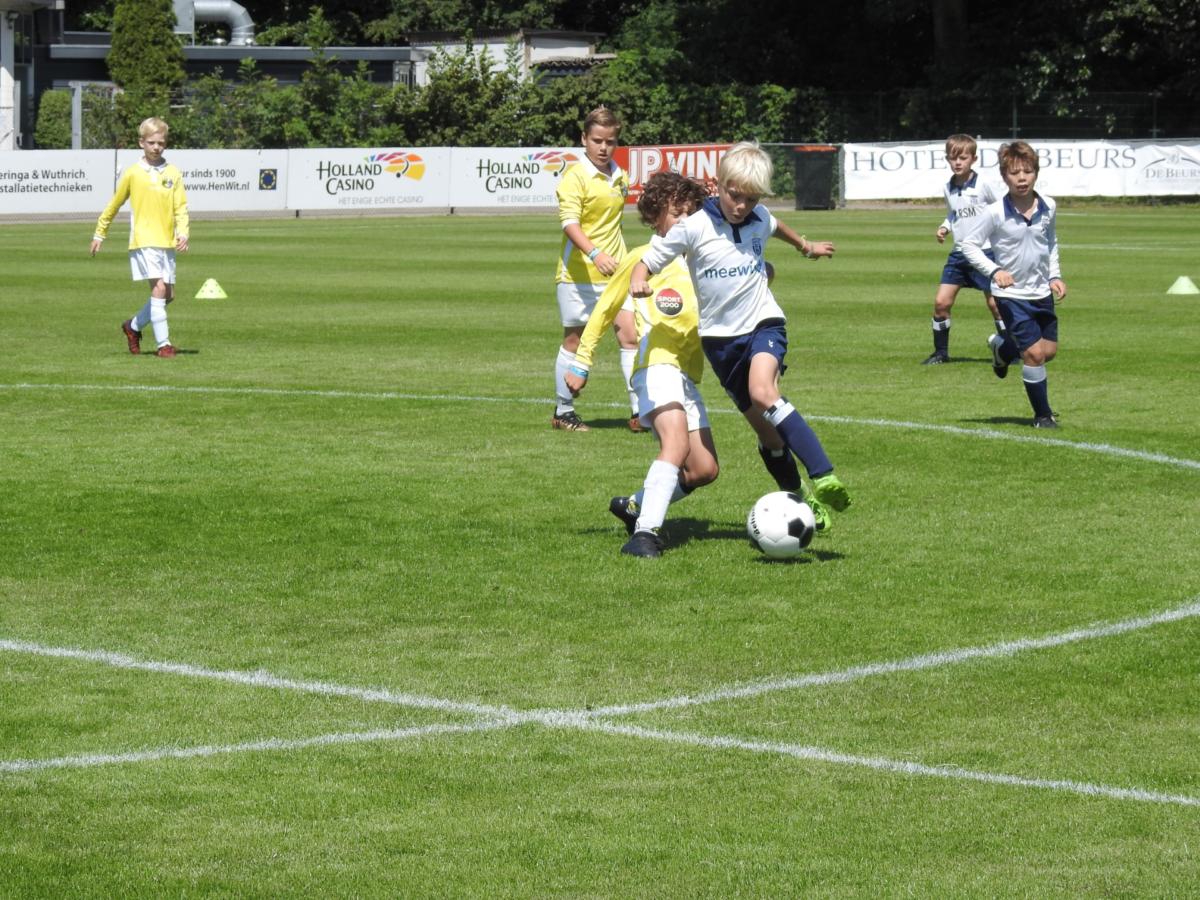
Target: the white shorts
pixel 152 262
pixel 661 384
pixel 576 302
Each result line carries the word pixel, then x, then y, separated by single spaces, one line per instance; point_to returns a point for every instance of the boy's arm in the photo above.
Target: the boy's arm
pixel 603 315
pixel 1057 286
pixel 811 249
pixel 120 195
pixel 661 250
pixel 179 201
pixel 971 245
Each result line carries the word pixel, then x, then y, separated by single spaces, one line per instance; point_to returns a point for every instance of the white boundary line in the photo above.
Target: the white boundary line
pixel 912 664
pixel 494 718
pixel 987 433
pixel 900 767
pixel 259 679
pixel 92 760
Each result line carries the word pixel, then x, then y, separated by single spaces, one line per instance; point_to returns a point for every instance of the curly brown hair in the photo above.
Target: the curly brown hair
pixel 667 189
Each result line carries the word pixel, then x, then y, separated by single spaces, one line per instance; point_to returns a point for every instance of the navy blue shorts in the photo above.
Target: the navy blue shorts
pixel 730 357
pixel 1029 321
pixel 960 272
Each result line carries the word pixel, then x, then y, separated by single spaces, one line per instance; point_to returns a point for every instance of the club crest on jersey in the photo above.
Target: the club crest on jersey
pixel 756 246
pixel 168 183
pixel 669 302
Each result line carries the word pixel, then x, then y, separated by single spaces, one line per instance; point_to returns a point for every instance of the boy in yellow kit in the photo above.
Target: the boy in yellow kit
pixel 668 365
pixel 158 227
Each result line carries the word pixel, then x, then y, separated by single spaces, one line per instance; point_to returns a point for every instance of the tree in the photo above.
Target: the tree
pixel 146 59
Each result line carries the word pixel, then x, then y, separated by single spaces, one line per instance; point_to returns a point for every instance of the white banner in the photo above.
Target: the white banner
pixel 384 178
pixel 55 181
pixel 508 177
pixel 1068 169
pixel 230 180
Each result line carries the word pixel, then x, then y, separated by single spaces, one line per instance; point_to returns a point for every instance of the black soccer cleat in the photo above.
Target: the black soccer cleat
pixel 999 366
pixel 568 421
pixel 1045 422
pixel 936 358
pixel 645 544
pixel 626 510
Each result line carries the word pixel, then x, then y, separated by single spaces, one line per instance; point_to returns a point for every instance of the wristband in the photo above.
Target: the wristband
pixel 593 253
pixel 575 370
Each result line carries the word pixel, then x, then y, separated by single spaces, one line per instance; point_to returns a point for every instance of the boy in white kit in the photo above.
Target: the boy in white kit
pixel 1026 277
pixel 158 227
pixel 742 328
pixel 966 195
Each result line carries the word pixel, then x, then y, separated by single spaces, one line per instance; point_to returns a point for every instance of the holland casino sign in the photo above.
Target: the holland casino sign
pixel 503 170
pixel 360 176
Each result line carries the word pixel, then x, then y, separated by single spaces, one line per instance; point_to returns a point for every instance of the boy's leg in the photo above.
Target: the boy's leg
pixel 626 332
pixel 158 312
pixel 565 416
pixel 573 310
pixel 943 302
pixel 796 433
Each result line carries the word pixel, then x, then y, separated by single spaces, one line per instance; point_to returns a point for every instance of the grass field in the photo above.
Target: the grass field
pixel 324 606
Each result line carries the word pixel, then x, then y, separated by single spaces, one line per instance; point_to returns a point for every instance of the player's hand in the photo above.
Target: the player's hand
pixel 640 288
pixel 941 235
pixel 817 249
pixel 181 243
pixel 1003 279
pixel 96 246
pixel 1058 287
pixel 605 263
pixel 575 383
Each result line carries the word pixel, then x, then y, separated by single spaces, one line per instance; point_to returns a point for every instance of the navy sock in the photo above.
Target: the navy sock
pixel 782 467
pixel 1034 378
pixel 941 334
pixel 1008 350
pixel 799 438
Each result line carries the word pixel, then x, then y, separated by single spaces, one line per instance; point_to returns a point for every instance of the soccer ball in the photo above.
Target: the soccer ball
pixel 781 524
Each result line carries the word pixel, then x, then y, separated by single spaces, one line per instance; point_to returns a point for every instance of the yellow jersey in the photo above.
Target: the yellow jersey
pixel 157 205
pixel 595 201
pixel 668 321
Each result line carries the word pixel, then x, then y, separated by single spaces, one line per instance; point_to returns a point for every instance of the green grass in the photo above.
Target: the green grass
pixel 348 478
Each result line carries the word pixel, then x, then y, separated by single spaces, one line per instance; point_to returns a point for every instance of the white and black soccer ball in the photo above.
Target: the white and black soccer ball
pixel 781 524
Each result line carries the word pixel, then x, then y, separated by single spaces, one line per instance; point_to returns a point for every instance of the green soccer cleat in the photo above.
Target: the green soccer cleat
pixel 821 514
pixel 830 491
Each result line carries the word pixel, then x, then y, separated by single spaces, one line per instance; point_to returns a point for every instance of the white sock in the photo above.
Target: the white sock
pixel 565 401
pixel 676 495
pixel 628 356
pixel 142 318
pixel 661 481
pixel 158 320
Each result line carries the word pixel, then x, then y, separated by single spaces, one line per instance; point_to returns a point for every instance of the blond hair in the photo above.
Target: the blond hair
pixel 601 117
pixel 151 126
pixel 747 166
pixel 957 142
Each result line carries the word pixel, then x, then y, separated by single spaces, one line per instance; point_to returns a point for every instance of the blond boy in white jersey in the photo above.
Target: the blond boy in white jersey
pixel 158 228
pixel 668 365
pixel 742 327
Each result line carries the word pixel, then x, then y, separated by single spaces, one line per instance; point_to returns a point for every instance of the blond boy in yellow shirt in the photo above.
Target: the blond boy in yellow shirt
pixel 158 228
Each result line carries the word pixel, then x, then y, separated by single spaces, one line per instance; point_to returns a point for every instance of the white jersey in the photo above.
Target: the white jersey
pixel 964 202
pixel 1026 249
pixel 726 265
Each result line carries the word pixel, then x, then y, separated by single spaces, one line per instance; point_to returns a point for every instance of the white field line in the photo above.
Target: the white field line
pixel 986 433
pixel 92 760
pixel 883 764
pixel 260 679
pixel 912 664
pixel 586 720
